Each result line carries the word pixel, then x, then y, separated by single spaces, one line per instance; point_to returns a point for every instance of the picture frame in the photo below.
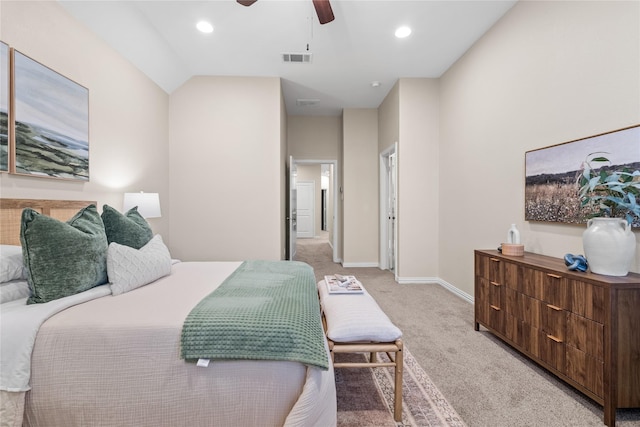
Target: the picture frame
pixel 4 107
pixel 551 173
pixel 50 122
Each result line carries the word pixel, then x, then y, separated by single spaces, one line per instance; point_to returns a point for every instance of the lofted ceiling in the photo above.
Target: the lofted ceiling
pixel 348 54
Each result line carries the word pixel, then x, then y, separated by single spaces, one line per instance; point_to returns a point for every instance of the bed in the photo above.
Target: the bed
pixel 116 360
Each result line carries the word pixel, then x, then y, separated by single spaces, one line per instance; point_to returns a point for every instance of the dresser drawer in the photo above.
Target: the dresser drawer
pixel 552 350
pixel 587 300
pixel 586 335
pixel 554 321
pixel 585 370
pixel 555 290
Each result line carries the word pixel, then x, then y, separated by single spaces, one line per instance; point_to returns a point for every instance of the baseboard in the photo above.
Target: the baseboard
pixel 448 286
pixel 359 264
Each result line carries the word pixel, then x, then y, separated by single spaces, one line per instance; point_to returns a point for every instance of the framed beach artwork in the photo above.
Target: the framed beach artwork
pixel 551 174
pixel 4 107
pixel 51 122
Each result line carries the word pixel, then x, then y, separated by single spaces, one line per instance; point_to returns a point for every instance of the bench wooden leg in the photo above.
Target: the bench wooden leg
pixel 394 352
pixel 397 399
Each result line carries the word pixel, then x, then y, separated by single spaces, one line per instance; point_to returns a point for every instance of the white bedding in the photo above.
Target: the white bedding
pixel 19 324
pixel 115 361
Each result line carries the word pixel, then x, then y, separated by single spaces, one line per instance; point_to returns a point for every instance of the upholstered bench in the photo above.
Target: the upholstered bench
pixel 354 323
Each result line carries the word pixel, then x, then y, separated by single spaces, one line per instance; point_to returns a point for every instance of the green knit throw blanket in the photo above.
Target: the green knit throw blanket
pixel 265 310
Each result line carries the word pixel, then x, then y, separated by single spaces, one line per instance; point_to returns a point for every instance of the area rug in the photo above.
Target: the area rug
pixel 365 396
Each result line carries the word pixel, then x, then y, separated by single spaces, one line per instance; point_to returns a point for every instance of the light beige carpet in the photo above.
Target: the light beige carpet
pixel 366 396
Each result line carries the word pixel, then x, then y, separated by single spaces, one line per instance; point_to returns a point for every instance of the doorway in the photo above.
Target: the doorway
pixel 388 209
pixel 325 175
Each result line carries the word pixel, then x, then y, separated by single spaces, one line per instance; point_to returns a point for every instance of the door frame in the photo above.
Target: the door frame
pixel 291 219
pixel 384 195
pixel 336 186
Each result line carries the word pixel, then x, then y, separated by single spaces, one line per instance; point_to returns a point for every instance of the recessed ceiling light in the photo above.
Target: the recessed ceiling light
pixel 375 84
pixel 204 27
pixel 403 32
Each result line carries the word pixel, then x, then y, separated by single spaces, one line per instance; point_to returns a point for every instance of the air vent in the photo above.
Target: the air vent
pixel 301 58
pixel 307 102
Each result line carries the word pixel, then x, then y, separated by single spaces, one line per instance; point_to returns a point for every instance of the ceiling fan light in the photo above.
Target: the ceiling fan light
pixel 403 32
pixel 204 27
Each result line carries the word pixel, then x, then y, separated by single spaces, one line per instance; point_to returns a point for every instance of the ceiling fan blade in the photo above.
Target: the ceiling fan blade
pixel 324 11
pixel 247 2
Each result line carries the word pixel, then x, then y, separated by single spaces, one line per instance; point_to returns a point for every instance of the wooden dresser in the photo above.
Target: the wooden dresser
pixel 582 327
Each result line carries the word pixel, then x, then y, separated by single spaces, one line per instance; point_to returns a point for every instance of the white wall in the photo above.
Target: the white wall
pixel 128 113
pixel 226 168
pixel 547 73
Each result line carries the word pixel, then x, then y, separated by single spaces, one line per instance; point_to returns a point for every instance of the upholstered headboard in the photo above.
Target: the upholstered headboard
pixel 11 213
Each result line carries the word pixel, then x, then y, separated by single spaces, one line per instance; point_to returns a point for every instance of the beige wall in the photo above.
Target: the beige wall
pixel 389 119
pixel 547 73
pixel 361 209
pixel 409 115
pixel 314 137
pixel 418 179
pixel 128 114
pixel 226 166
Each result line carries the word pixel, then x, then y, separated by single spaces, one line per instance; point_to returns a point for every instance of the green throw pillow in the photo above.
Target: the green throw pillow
pixel 63 258
pixel 129 229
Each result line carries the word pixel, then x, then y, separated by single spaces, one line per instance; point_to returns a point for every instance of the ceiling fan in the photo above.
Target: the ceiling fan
pixel 323 9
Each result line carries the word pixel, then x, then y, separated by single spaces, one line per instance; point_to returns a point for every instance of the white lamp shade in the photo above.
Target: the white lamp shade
pixel 148 204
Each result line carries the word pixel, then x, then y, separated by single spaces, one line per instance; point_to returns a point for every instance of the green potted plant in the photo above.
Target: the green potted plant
pixel 610 198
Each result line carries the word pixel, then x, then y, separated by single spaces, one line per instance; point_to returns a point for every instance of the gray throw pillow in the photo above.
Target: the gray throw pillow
pixel 63 258
pixel 129 229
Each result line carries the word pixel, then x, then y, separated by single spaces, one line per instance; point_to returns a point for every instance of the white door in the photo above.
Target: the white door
pixel 291 218
pixel 388 209
pixel 391 212
pixel 306 209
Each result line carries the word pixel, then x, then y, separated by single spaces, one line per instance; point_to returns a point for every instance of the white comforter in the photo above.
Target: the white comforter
pixel 19 324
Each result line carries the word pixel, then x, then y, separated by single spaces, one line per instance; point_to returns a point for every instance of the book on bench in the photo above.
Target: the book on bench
pixel 341 284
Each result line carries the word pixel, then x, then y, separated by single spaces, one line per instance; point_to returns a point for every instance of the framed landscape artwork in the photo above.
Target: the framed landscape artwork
pixel 551 174
pixel 51 122
pixel 4 107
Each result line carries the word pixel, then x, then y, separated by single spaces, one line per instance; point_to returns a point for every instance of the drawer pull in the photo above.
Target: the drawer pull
pixel 496 284
pixel 556 339
pixel 495 307
pixel 554 276
pixel 494 259
pixel 554 307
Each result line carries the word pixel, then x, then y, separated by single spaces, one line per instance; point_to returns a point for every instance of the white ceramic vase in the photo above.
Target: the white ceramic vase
pixel 609 246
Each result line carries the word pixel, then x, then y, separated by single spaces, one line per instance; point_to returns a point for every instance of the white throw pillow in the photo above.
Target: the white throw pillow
pixel 11 264
pixel 130 268
pixel 356 318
